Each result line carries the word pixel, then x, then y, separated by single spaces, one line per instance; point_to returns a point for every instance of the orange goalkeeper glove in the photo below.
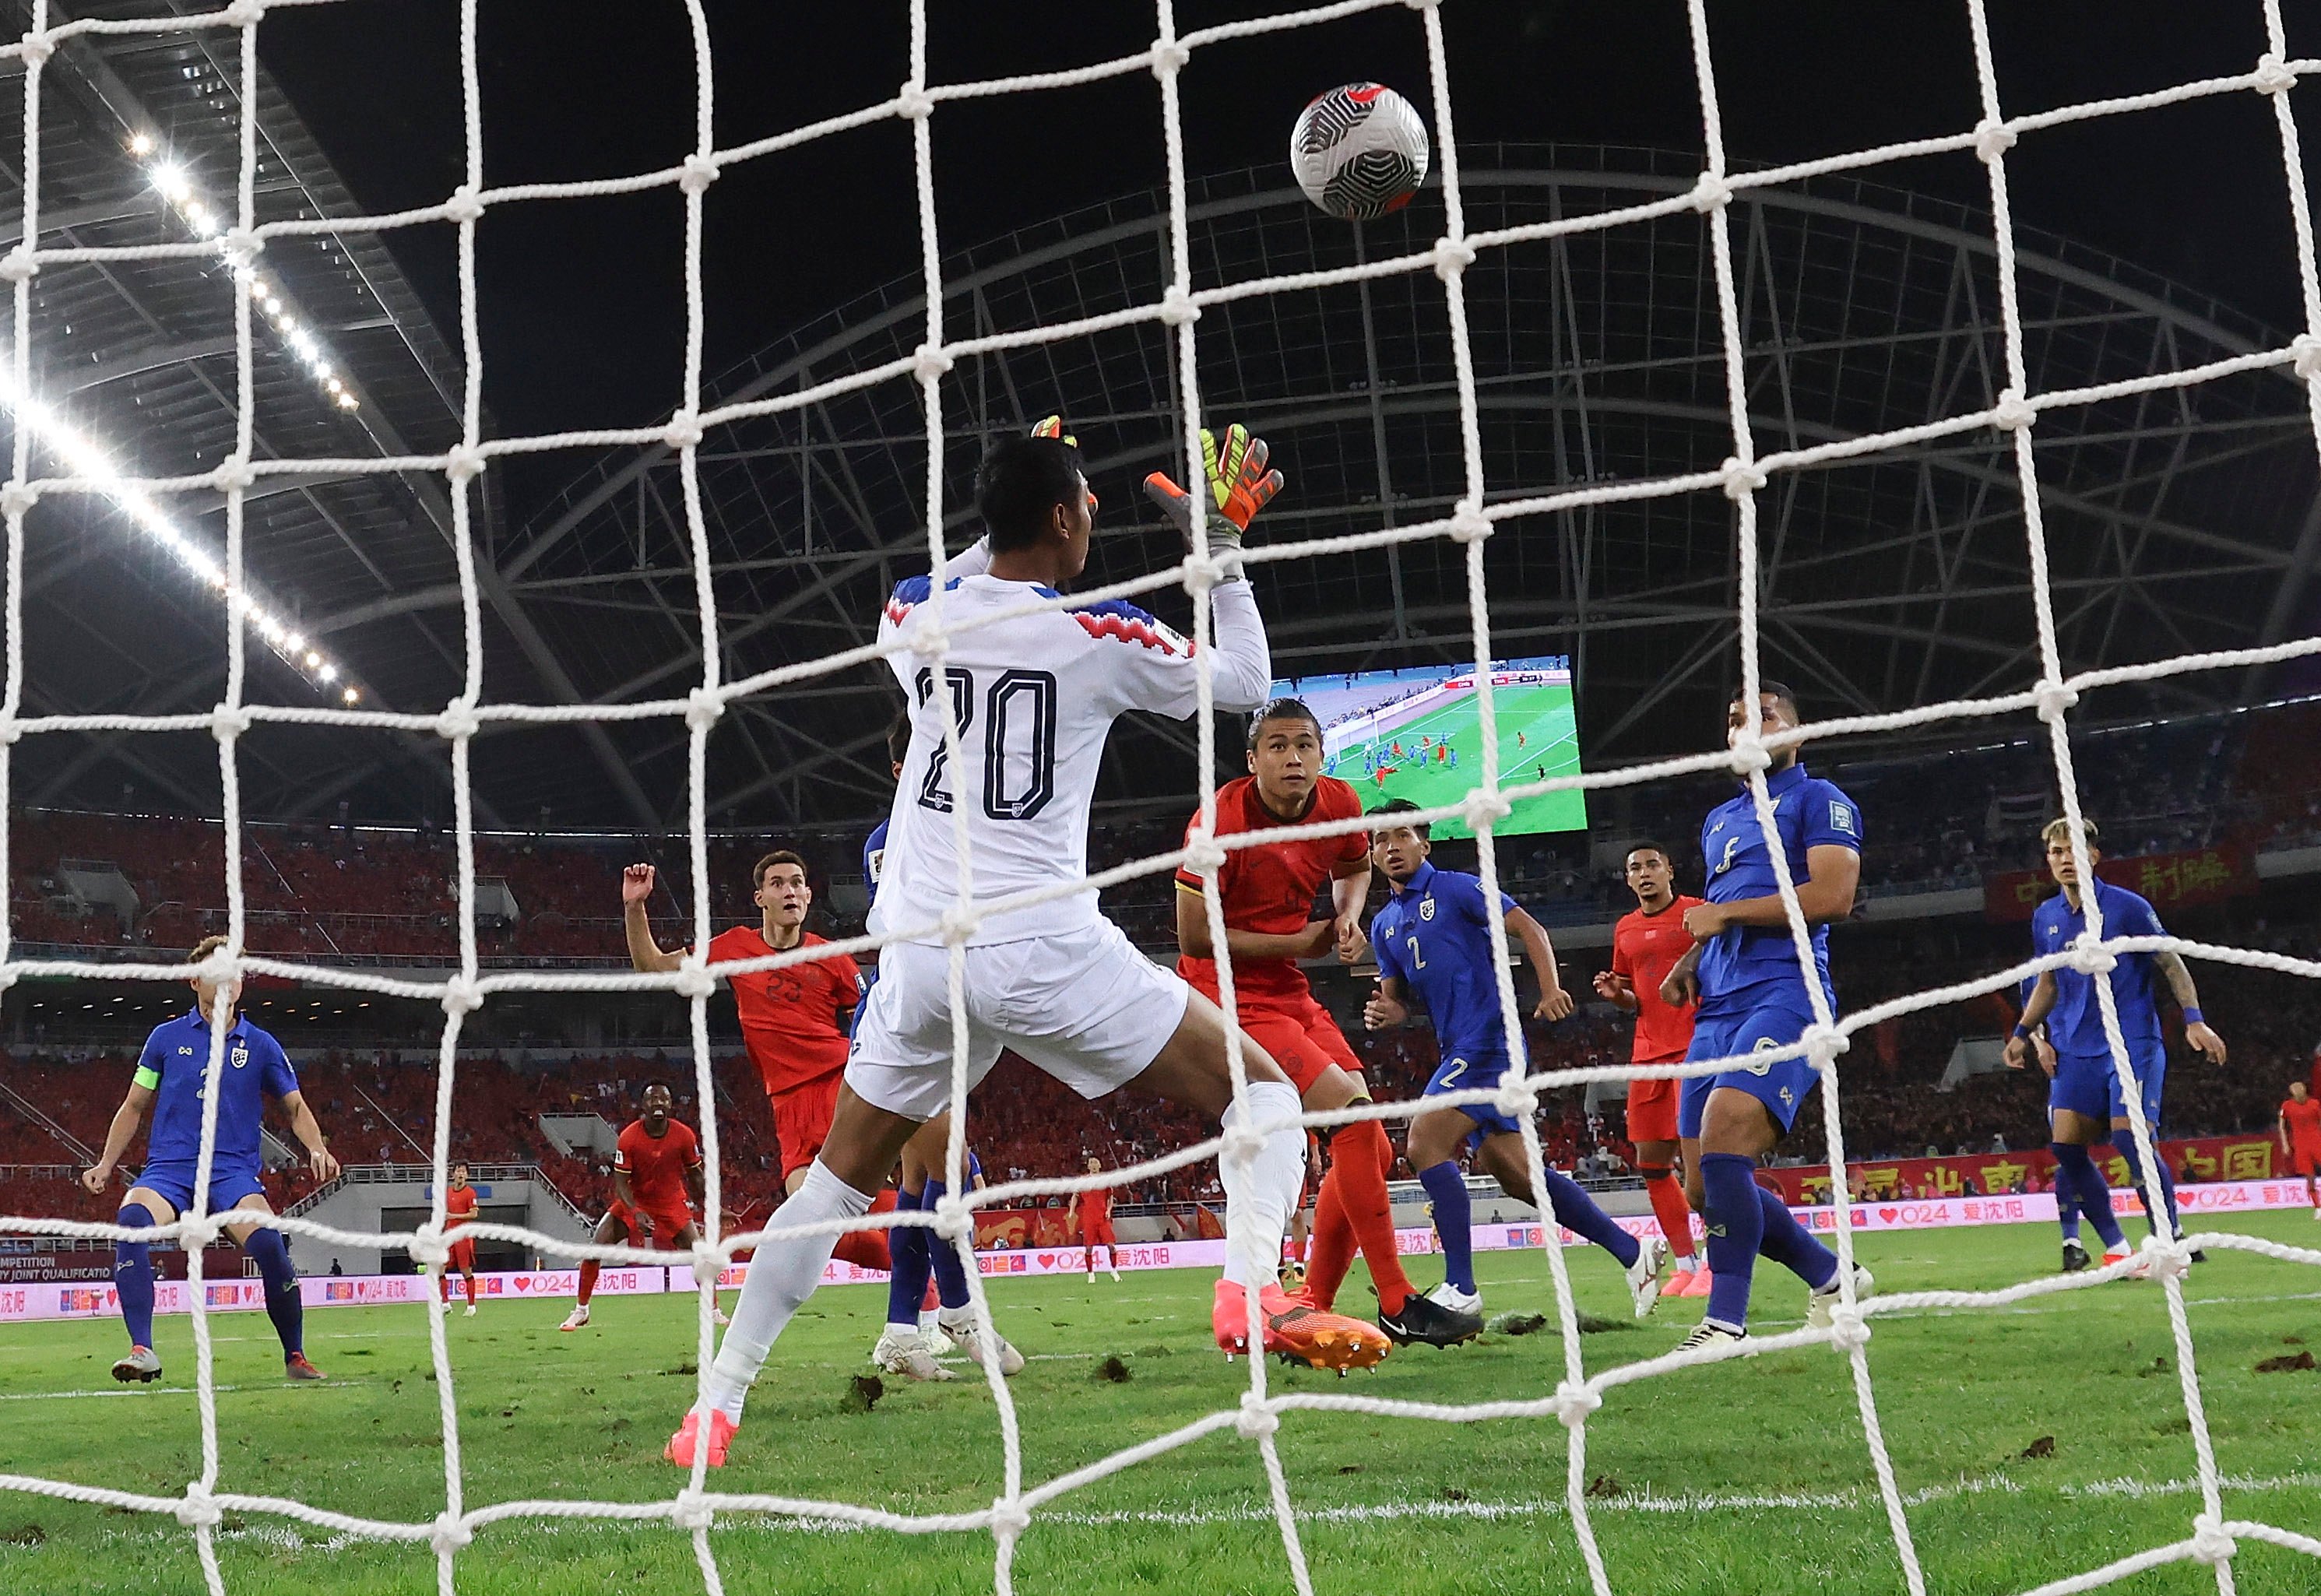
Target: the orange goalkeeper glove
pixel 1054 427
pixel 1239 486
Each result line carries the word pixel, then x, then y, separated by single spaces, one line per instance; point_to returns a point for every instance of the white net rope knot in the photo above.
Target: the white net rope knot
pixel 17 498
pixel 1574 1402
pixel 2210 1543
pixel 199 1510
pixel 464 462
pixel 449 1534
pixel 1849 1329
pixel 2090 957
pixel 36 47
pixel 428 1247
pixel 17 266
pixel 693 980
pixel 690 1511
pixel 2012 413
pixel 458 720
pixel 462 995
pixel 466 204
pixel 2053 700
pixel 704 707
pixel 1257 1419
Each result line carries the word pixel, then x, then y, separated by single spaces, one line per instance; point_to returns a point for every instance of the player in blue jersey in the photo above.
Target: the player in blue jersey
pixel 168 1081
pixel 905 1346
pixel 2084 1100
pixel 1753 997
pixel 1432 942
pixel 2068 1211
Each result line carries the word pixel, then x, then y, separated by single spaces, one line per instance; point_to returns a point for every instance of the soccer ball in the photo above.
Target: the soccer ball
pixel 1359 150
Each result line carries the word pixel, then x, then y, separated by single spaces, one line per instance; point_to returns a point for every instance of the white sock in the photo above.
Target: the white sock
pixel 1258 1208
pixel 782 1275
pixel 901 1332
pixel 956 1318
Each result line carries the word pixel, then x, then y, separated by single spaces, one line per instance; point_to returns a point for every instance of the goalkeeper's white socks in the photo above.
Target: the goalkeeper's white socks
pixel 782 1275
pixel 1257 1210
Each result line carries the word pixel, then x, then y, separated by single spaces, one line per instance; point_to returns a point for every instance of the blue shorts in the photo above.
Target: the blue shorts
pixel 1718 1032
pixel 2089 1084
pixel 1473 1073
pixel 175 1182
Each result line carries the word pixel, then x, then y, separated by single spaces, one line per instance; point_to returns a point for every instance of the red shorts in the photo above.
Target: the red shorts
pixel 463 1257
pixel 1304 1041
pixel 667 1223
pixel 1096 1233
pixel 801 1121
pixel 2304 1159
pixel 1652 1106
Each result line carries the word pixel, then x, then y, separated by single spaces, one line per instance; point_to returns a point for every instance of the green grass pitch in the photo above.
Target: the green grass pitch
pixel 1747 1477
pixel 1541 715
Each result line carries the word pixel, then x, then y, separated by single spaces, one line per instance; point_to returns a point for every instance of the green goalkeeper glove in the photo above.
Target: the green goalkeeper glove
pixel 1239 487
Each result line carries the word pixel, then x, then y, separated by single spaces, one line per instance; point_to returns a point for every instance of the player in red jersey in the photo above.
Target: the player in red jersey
pixel 1269 914
pixel 656 1181
pixel 2300 1140
pixel 790 1016
pixel 1645 946
pixel 459 1203
pixel 1089 1219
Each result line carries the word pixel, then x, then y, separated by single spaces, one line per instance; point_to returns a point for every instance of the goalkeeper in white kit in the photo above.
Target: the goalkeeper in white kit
pixel 1034 696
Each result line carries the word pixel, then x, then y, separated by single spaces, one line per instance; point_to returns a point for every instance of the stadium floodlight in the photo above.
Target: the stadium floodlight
pixel 86 459
pixel 173 183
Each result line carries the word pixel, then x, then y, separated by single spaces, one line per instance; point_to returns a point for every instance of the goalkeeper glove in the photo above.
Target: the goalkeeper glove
pixel 1239 486
pixel 1054 427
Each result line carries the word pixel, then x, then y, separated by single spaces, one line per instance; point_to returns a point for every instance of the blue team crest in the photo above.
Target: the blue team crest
pixel 1841 817
pixel 1426 909
pixel 241 1056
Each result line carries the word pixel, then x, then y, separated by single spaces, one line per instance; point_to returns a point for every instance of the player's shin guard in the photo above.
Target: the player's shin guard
pixel 1737 1230
pixel 1330 1247
pixel 1669 1209
pixel 132 1275
pixel 2125 1140
pixel 907 1245
pixel 1259 1198
pixel 1577 1212
pixel 1791 1244
pixel 782 1275
pixel 2077 1180
pixel 1454 1221
pixel 943 1257
pixel 1360 1153
pixel 283 1306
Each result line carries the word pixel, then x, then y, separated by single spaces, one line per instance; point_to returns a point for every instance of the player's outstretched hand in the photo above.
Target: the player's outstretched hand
pixel 1554 1004
pixel 2203 1040
pixel 96 1179
pixel 325 1165
pixel 1382 1013
pixel 1238 481
pixel 636 884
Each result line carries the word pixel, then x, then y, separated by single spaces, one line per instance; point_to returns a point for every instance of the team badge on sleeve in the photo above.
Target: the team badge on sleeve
pixel 1841 817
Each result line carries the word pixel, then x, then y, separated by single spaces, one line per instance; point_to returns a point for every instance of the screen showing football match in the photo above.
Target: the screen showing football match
pixel 1418 733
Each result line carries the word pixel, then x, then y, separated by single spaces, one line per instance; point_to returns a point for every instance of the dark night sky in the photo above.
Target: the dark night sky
pixel 582 306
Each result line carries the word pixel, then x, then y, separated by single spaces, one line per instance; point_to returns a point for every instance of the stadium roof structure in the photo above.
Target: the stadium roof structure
pixel 2179 521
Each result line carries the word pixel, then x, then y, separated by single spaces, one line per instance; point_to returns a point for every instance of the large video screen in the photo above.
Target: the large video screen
pixel 1418 733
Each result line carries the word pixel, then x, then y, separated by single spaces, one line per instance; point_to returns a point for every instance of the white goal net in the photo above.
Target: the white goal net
pixel 691 1508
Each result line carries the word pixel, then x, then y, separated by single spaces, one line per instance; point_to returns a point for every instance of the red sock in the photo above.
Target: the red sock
pixel 933 1298
pixel 445 1281
pixel 1670 1207
pixel 588 1268
pixel 1359 1155
pixel 471 1290
pixel 865 1249
pixel 1329 1247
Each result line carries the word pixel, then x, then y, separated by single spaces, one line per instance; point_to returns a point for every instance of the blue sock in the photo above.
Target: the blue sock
pixel 1454 1219
pixel 1791 1245
pixel 2077 1179
pixel 1737 1230
pixel 132 1276
pixel 1577 1212
pixel 2125 1140
pixel 951 1275
pixel 907 1286
pixel 271 1254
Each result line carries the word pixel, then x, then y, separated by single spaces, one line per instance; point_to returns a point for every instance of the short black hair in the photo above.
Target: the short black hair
pixel 1425 829
pixel 1282 708
pixel 1647 846
pixel 1780 692
pixel 899 738
pixel 649 1087
pixel 1020 481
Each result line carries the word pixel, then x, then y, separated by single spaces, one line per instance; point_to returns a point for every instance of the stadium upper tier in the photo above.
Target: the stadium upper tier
pixel 2178 521
pixel 1941 820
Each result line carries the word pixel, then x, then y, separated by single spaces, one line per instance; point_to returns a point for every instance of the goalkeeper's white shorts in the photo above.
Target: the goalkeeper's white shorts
pixel 1085 1007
